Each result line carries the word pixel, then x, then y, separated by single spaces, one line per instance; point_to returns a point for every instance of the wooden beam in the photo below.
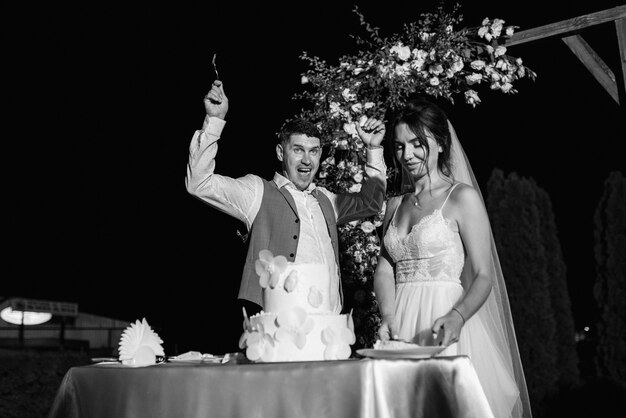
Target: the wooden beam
pixel 620 27
pixel 567 27
pixel 594 64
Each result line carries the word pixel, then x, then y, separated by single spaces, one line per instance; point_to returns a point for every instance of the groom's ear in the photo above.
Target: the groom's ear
pixel 279 152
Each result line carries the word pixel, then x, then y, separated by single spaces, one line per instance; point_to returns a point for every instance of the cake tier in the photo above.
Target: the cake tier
pixel 304 285
pixel 295 335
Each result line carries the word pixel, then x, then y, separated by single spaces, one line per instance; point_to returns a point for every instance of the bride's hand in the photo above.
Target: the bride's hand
pixel 388 329
pixel 447 329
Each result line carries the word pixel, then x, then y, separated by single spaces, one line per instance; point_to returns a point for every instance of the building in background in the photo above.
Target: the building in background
pixel 46 324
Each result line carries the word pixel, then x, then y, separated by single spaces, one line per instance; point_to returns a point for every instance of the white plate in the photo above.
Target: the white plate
pixel 410 353
pixel 199 360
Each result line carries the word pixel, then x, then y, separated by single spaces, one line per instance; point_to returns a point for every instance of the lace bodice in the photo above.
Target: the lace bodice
pixel 431 251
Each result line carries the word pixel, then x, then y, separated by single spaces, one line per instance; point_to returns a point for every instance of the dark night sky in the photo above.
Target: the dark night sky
pixel 104 100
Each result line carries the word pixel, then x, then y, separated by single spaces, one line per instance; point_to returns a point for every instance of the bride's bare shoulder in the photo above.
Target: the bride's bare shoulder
pixel 464 194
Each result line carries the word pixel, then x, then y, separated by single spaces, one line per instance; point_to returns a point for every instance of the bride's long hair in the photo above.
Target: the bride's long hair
pixel 420 115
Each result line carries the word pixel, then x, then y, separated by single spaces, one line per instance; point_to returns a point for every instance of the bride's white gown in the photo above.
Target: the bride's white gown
pixel 429 261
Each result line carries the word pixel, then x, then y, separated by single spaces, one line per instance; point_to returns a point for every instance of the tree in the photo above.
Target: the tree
pixel 567 360
pixel 515 218
pixel 610 285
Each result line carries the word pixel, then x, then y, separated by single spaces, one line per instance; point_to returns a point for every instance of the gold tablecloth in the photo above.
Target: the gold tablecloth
pixel 368 388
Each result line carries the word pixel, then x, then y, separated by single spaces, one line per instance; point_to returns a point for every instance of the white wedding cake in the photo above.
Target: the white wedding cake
pixel 297 323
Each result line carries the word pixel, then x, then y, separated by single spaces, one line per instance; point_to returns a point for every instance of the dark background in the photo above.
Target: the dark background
pixel 103 99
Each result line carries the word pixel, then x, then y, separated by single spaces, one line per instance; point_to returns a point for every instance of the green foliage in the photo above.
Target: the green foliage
pixel 516 222
pixel 610 286
pixel 567 359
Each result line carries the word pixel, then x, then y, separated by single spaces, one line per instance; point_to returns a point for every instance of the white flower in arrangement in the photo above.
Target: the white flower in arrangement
pixel 473 78
pixel 367 227
pixel 369 105
pixel 139 345
pixel 457 64
pixel 350 129
pixel 403 52
pixel 477 64
pixel 403 70
pixel 471 97
pixel 483 32
pixel 348 95
pixel 357 107
pixel 419 54
pixel 506 87
pixel 435 69
pixel 335 109
pixel 509 31
pixel 496 27
pixel 304 80
pixel 434 81
pixel 500 50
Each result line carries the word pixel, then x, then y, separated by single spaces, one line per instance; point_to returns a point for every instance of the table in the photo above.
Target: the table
pixel 368 388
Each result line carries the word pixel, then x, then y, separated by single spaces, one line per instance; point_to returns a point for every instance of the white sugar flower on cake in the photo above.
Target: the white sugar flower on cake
pixel 139 345
pixel 269 268
pixel 339 340
pixel 293 325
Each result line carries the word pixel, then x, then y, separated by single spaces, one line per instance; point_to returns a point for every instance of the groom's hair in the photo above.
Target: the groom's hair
pixel 298 126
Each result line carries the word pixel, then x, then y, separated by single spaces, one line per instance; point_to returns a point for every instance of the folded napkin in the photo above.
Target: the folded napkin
pixel 139 345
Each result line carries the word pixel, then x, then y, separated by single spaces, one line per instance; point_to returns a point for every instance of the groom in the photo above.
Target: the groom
pixel 288 215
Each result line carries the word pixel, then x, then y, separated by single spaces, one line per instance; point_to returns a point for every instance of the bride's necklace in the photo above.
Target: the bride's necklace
pixel 416 200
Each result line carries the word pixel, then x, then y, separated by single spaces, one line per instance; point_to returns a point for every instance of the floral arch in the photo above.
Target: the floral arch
pixel 435 56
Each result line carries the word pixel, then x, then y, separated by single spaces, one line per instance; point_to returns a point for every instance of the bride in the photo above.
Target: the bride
pixel 438 278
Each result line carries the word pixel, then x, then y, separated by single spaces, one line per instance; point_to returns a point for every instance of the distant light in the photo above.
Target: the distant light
pixel 30 318
pixel 586 329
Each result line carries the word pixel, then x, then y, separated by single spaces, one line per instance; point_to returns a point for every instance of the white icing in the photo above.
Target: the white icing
pixel 307 282
pixel 314 348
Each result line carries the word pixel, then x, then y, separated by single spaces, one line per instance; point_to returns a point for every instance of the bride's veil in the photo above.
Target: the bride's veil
pixel 496 311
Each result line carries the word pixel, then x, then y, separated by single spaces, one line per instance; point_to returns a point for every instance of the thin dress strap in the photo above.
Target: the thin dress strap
pixel 448 196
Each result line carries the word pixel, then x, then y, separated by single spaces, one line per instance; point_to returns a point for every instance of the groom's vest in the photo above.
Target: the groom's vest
pixel 277 228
